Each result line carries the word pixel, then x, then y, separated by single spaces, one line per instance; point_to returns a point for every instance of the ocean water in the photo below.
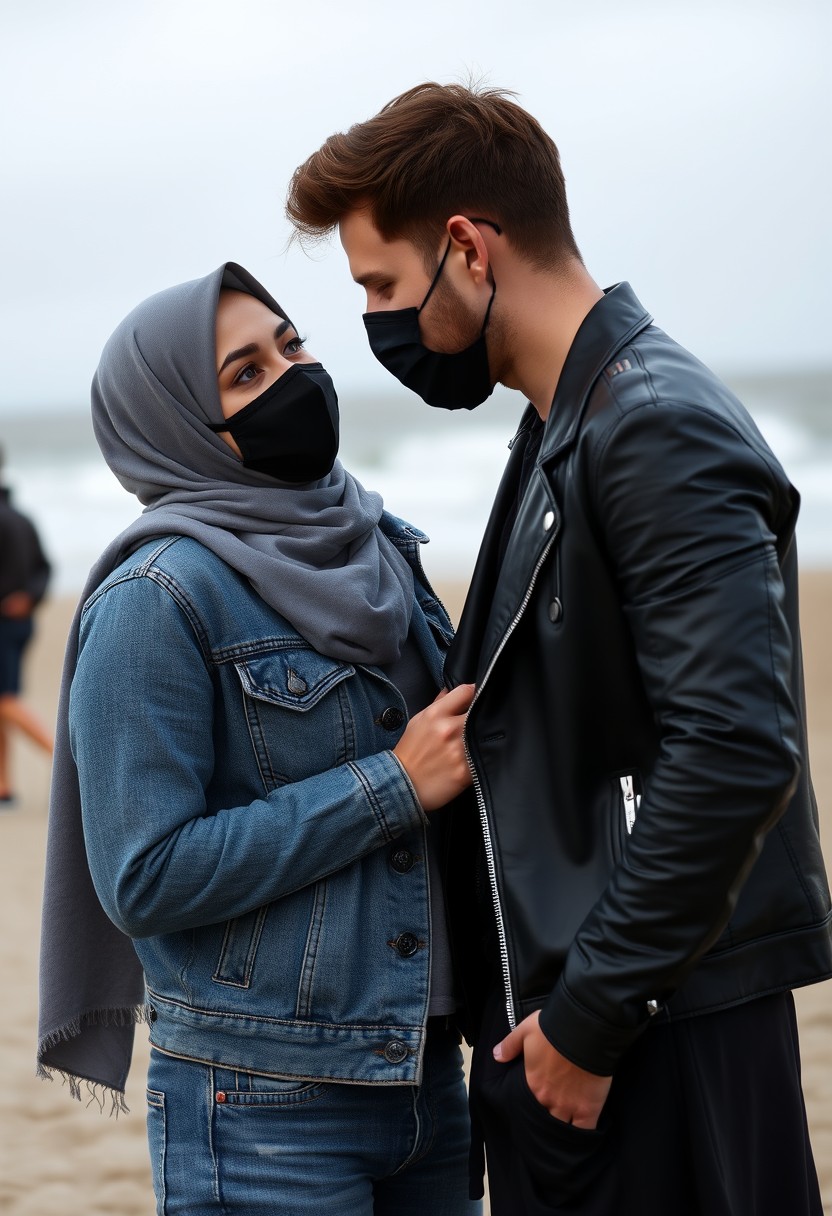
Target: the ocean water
pixel 438 469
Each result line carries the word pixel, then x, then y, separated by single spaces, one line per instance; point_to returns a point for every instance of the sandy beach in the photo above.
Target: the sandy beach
pixel 58 1157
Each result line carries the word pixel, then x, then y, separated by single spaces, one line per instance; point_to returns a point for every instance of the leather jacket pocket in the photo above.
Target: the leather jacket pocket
pixel 626 802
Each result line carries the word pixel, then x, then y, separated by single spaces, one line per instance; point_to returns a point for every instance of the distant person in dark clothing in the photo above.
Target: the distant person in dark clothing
pixel 24 574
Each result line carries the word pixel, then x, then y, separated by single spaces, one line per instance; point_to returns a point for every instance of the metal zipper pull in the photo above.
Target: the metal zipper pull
pixel 632 801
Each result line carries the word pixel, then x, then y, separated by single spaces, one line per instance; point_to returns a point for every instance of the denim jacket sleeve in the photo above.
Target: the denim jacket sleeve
pixel 141 717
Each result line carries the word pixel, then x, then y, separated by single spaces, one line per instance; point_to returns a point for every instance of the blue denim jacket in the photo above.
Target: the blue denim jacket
pixel 248 825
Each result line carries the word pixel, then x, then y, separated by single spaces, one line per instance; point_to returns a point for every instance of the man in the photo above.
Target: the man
pixel 637 741
pixel 24 574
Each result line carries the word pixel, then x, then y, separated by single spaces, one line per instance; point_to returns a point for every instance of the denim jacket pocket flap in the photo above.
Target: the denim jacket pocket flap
pixel 292 678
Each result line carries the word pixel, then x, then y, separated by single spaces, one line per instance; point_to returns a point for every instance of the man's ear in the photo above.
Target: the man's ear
pixel 467 238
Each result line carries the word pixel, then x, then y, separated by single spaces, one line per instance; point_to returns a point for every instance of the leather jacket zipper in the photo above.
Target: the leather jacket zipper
pixel 489 848
pixel 632 802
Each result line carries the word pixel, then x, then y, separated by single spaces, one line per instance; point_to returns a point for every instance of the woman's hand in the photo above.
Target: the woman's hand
pixel 431 749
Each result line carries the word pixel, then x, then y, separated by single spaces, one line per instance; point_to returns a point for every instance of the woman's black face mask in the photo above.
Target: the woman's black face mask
pixel 451 382
pixel 289 432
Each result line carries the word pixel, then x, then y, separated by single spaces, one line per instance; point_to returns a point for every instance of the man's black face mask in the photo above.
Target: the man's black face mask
pixel 290 431
pixel 451 382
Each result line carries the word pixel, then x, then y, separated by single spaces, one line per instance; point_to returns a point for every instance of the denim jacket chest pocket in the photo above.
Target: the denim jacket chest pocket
pixel 298 712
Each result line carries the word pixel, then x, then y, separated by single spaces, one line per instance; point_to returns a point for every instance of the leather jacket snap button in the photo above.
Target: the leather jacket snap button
pixel 407 944
pixel 555 611
pixel 395 1051
pixel 391 718
pixel 548 520
pixel 402 861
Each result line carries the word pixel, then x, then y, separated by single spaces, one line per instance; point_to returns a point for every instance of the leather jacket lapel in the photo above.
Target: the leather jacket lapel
pixel 463 661
pixel 535 530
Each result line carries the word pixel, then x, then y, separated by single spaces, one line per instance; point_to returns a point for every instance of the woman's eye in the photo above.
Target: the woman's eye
pixel 246 374
pixel 294 347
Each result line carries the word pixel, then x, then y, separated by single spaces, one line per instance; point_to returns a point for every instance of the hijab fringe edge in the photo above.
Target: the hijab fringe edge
pixel 97 1091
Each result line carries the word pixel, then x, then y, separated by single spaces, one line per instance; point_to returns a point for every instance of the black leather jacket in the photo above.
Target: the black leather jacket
pixel 638 736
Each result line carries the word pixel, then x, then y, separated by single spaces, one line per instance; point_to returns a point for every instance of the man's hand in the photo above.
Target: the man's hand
pixel 569 1093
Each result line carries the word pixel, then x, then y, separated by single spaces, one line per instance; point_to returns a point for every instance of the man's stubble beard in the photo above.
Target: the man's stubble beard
pixel 458 326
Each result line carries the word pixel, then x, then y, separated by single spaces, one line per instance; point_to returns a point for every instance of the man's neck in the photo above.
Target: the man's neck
pixel 543 312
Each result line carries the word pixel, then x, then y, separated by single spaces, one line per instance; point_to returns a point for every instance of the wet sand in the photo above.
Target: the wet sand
pixel 58 1157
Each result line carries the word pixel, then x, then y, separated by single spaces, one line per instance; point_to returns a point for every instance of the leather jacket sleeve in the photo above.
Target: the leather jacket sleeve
pixel 688 511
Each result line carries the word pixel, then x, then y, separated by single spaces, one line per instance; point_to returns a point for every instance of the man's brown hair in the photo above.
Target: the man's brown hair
pixel 432 152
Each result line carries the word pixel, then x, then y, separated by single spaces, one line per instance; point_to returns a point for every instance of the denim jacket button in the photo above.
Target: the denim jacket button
pixel 392 718
pixel 395 1051
pixel 296 683
pixel 402 860
pixel 407 944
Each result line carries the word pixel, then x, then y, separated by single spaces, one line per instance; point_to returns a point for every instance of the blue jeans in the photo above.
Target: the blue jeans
pixel 237 1143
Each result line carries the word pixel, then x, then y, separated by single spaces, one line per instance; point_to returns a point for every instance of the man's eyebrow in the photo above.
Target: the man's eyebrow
pixel 373 278
pixel 252 347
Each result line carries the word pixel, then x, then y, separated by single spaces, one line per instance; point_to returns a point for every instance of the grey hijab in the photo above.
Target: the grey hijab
pixel 314 552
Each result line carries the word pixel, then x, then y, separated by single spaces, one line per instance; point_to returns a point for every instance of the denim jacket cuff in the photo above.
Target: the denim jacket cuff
pixel 390 793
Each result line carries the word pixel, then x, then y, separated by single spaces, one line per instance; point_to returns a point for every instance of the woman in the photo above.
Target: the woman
pixel 243 784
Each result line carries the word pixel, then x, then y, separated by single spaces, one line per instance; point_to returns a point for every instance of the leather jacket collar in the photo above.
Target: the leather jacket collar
pixel 608 326
pixel 496 597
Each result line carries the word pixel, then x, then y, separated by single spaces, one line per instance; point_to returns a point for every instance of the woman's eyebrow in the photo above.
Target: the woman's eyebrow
pixel 252 347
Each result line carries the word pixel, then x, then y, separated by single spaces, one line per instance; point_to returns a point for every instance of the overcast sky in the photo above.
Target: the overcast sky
pixel 144 143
